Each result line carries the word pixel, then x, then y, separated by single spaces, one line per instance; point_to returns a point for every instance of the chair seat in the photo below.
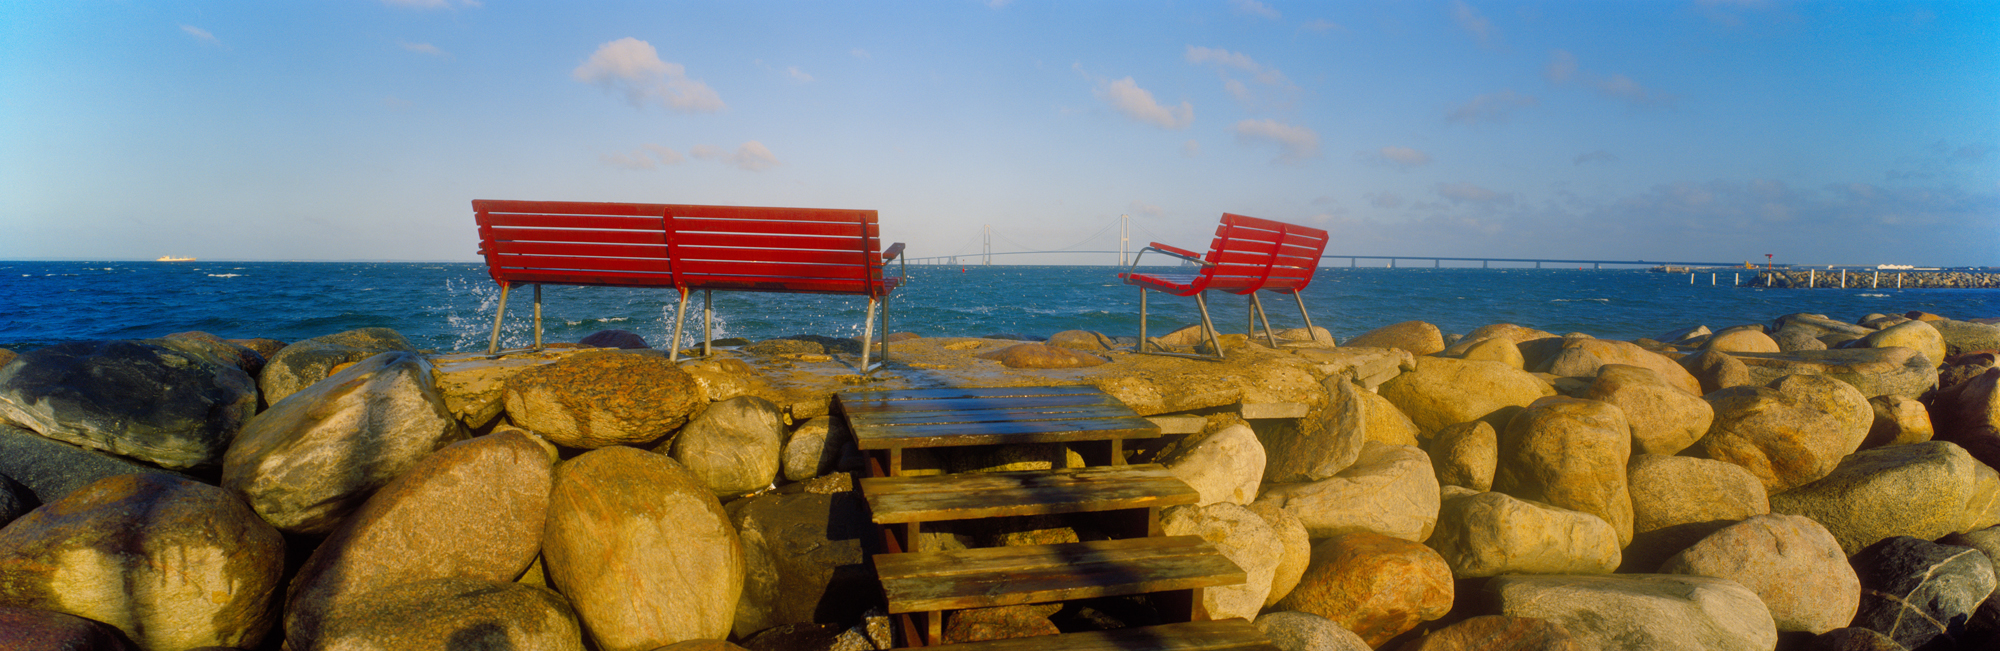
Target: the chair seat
pixel 1174 284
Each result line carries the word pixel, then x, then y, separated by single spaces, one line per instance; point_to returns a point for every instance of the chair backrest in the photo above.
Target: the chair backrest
pixel 1249 254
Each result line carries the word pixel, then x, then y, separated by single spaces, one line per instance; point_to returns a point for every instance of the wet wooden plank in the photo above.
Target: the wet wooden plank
pixel 988 495
pixel 1049 431
pixel 1221 635
pixel 967 392
pixel 1004 413
pixel 973 403
pixel 998 576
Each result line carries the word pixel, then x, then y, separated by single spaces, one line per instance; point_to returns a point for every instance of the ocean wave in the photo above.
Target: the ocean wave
pixel 1874 295
pixel 1580 300
pixel 224 275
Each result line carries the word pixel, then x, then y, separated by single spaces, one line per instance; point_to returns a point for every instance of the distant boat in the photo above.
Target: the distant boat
pixel 169 258
pixel 1894 266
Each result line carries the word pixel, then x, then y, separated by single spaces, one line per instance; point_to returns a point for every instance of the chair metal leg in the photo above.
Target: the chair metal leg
pixel 538 317
pixel 1142 320
pixel 707 330
pixel 885 330
pixel 1258 307
pixel 1310 333
pixel 680 314
pixel 867 335
pixel 494 347
pixel 1207 325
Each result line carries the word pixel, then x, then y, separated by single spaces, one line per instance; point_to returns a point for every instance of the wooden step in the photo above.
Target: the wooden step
pixel 896 500
pixel 1003 576
pixel 1223 635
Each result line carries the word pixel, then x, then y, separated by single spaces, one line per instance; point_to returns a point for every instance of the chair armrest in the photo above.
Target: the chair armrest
pixel 893 251
pixel 1175 251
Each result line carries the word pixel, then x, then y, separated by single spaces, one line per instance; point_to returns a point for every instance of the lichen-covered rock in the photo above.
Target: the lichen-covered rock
pixel 1390 490
pixel 1490 534
pixel 160 404
pixel 316 455
pixel 1244 538
pixel 1962 337
pixel 1642 612
pixel 1382 422
pixel 642 549
pixel 734 447
pixel 1873 371
pixel 474 385
pixel 304 363
pixel 1790 561
pixel 817 447
pixel 1037 355
pixel 1465 454
pixel 1581 357
pixel 602 398
pixel 1324 442
pixel 33 629
pixel 1498 633
pixel 1742 341
pixel 1784 438
pixel 1415 336
pixel 472 510
pixel 1716 370
pixel 1496 349
pixel 1917 591
pixel 1224 464
pixel 1376 586
pixel 805 559
pixel 1677 501
pixel 1443 391
pixel 1917 490
pixel 1290 630
pixel 1898 420
pixel 172 563
pixel 454 614
pixel 1916 335
pixel 1569 453
pixel 1512 333
pixel 1665 418
pixel 1296 551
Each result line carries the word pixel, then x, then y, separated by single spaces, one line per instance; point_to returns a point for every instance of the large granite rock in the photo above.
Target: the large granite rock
pixel 999 623
pixel 1898 420
pixel 33 629
pixel 735 447
pixel 1496 349
pixel 1465 454
pixel 472 510
pixel 1784 437
pixel 805 560
pixel 454 614
pixel 160 404
pixel 1324 442
pixel 1390 490
pixel 1498 633
pixel 1038 355
pixel 1716 370
pixel 1569 453
pixel 1242 536
pixel 722 378
pixel 642 549
pixel 1580 357
pixel 1642 612
pixel 1742 341
pixel 1920 336
pixel 818 447
pixel 1919 490
pixel 1296 551
pixel 304 363
pixel 474 385
pixel 1376 586
pixel 614 338
pixel 172 563
pixel 1677 501
pixel 1919 592
pixel 1443 391
pixel 1490 534
pixel 48 469
pixel 1383 422
pixel 1415 336
pixel 602 398
pixel 1968 413
pixel 1225 463
pixel 1665 418
pixel 1962 337
pixel 1290 630
pixel 316 455
pixel 1513 334
pixel 1852 638
pixel 1874 371
pixel 1790 561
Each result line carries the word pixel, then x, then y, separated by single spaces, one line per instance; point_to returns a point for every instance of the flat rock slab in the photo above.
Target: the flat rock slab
pixel 1650 612
pixel 1875 371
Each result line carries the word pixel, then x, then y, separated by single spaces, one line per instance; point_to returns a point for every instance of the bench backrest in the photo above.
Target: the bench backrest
pixel 807 250
pixel 1250 254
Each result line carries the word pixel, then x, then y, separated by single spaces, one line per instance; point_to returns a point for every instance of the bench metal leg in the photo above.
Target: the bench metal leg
pixel 1257 306
pixel 680 315
pixel 1142 321
pixel 494 347
pixel 1207 325
pixel 538 317
pixel 707 330
pixel 1310 334
pixel 868 335
pixel 885 330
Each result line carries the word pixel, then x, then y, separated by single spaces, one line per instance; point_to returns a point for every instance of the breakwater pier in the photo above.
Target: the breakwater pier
pixel 1874 279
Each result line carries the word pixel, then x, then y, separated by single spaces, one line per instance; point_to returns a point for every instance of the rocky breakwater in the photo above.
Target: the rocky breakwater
pixel 1806 483
pixel 1875 279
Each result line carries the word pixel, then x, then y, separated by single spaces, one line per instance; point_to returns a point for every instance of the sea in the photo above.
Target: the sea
pixel 449 306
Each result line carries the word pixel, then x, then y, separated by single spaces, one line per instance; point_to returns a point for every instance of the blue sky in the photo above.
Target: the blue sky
pixel 1821 132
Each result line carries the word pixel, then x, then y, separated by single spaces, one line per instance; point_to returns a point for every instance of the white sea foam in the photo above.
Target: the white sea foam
pixel 224 275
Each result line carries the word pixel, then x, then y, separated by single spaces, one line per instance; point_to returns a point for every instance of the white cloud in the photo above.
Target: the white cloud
pixel 1254 8
pixel 798 75
pixel 1138 104
pixel 1462 192
pixel 200 34
pixel 632 67
pixel 1470 19
pixel 752 156
pixel 424 48
pixel 1491 107
pixel 1562 66
pixel 1296 144
pixel 1225 59
pixel 1398 156
pixel 646 157
pixel 1191 148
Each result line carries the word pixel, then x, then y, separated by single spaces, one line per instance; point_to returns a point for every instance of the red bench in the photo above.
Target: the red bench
pixel 730 248
pixel 1248 255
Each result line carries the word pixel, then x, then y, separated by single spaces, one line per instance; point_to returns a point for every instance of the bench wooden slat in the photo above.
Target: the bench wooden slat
pixel 847 261
pixel 974 403
pixel 828 228
pixel 896 500
pixel 699 213
pixel 866 397
pixel 603 222
pixel 510 262
pixel 654 252
pixel 1052 431
pixel 1219 635
pixel 763 240
pixel 567 207
pixel 647 236
pixel 998 576
pixel 605 279
pixel 948 417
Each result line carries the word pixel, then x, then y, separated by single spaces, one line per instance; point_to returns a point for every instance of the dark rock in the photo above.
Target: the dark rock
pixel 1959 368
pixel 48 469
pixel 1796 339
pixel 1498 633
pixel 795 637
pixel 1919 592
pixel 7 356
pixel 303 363
pixel 1962 337
pixel 136 399
pixel 1853 638
pixel 804 559
pixel 455 614
pixel 30 629
pixel 614 339
pixel 1968 414
pixel 264 347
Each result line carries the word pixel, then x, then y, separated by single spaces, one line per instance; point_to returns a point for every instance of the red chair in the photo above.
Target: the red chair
pixel 1248 255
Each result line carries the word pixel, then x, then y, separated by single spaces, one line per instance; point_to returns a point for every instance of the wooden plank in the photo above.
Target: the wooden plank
pixel 648 236
pixel 656 252
pixel 1014 433
pixel 948 417
pixel 842 229
pixel 767 213
pixel 851 397
pixel 569 207
pixel 978 402
pixel 1220 635
pixel 998 576
pixel 988 495
pixel 601 222
pixel 554 262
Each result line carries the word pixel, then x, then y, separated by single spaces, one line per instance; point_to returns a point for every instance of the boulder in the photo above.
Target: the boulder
pixel 1962 337
pixel 1384 423
pixel 1443 391
pixel 1465 455
pixel 1368 367
pixel 1959 368
pixel 1497 349
pixel 1642 612
pixel 1226 463
pixel 316 455
pixel 1874 371
pixel 1852 638
pixel 1324 442
pixel 171 563
pixel 1742 341
pixel 1296 549
pixel 1569 453
pixel 304 363
pixel 1982 507
pixel 472 510
pixel 48 469
pixel 1986 540
pixel 1819 325
pixel 155 403
pixel 1498 633
pixel 216 348
pixel 1790 561
pixel 1290 630
pixel 1390 490
pixel 1242 536
pixel 1794 339
pixel 603 398
pixel 1415 336
pixel 642 549
pixel 474 385
pixel 1582 357
pixel 1665 419
pixel 33 629
pixel 734 447
pixel 805 560
pixel 1917 591
pixel 1374 585
pixel 817 447
pixel 1897 420
pixel 454 614
pixel 614 339
pixel 1716 370
pixel 1785 438
pixel 1919 490
pixel 1677 501
pixel 1512 333
pixel 1490 534
pixel 1084 340
pixel 7 356
pixel 1691 336
pixel 1920 336
pixel 1000 623
pixel 1038 355
pixel 722 378
pixel 1968 414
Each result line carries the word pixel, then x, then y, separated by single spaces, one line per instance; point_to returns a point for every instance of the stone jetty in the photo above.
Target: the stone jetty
pixel 1874 279
pixel 1803 483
